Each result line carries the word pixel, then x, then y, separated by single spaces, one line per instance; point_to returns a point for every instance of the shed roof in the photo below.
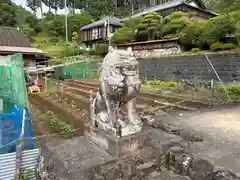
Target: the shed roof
pixel 24 50
pixel 113 21
pixel 168 5
pixel 10 36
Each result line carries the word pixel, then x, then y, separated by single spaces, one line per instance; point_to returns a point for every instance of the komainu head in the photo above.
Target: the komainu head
pixel 122 60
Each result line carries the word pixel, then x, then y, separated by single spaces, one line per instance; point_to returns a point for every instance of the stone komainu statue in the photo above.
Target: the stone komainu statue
pixel 119 85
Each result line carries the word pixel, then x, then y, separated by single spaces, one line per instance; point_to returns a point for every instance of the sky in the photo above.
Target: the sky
pixel 45 8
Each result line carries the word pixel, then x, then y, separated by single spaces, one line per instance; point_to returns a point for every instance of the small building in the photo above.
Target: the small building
pixel 97 32
pixel 12 41
pixel 196 7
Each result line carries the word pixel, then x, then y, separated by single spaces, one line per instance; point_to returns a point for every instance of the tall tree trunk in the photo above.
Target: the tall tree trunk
pixel 49 5
pixel 41 9
pixel 73 7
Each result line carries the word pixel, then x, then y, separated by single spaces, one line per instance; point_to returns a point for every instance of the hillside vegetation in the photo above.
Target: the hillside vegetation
pixel 48 32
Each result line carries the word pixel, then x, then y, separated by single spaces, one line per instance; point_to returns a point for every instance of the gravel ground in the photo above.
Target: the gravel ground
pixel 221 135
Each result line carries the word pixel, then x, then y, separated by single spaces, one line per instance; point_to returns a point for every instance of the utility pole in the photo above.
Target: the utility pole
pixel 107 26
pixel 66 21
pixel 108 31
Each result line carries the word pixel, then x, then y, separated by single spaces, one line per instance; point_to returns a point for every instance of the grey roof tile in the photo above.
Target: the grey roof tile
pixel 10 36
pixel 167 5
pixel 113 21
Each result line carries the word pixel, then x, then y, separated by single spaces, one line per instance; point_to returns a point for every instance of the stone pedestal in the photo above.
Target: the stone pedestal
pixel 117 146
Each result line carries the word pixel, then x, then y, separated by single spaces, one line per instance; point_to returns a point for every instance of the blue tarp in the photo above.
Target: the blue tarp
pixel 10 129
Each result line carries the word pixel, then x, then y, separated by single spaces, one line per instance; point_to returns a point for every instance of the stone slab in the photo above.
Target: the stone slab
pixel 74 158
pixel 117 147
pixel 80 159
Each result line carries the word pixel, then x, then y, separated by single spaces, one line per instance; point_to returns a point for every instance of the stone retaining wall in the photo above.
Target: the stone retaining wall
pixel 153 48
pixel 227 65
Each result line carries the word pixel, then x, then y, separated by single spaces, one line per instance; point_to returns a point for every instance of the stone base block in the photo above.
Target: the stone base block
pixel 125 130
pixel 117 146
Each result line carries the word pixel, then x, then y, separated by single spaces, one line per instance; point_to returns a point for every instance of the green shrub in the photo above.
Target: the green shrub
pixel 234 89
pixel 228 46
pixel 193 36
pixel 55 39
pixel 60 127
pixel 217 46
pixel 170 36
pixel 194 50
pixel 123 35
pixel 92 52
pixel 95 75
pixel 101 49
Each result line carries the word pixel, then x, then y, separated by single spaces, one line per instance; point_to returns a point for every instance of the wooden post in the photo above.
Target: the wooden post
pixel 91 107
pixel 212 91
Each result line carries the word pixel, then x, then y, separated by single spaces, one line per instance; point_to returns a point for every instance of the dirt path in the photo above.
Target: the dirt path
pixel 221 133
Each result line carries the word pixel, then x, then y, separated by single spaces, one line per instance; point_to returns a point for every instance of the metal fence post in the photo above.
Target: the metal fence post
pixel 20 148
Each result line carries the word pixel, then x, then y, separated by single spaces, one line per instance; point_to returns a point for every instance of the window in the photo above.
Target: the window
pixel 95 33
pixel 111 29
pixel 104 32
pixel 99 33
pixel 85 35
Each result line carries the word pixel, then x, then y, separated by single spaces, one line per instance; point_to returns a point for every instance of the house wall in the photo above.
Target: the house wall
pixel 196 13
pixel 97 33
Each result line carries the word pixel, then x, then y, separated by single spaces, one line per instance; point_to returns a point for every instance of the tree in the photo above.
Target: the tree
pixel 98 8
pixel 174 24
pixel 56 26
pixel 123 35
pixel 224 6
pixel 220 28
pixel 34 5
pixel 7 13
pixel 77 20
pixel 192 36
pixel 151 24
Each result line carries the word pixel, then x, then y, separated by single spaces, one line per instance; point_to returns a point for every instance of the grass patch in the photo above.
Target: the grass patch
pixel 159 83
pixel 198 90
pixel 43 41
pixel 232 88
pixel 189 53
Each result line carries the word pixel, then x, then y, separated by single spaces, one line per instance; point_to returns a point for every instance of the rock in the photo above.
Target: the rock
pixel 191 135
pixel 176 149
pixel 159 125
pixel 200 175
pixel 222 174
pixel 201 165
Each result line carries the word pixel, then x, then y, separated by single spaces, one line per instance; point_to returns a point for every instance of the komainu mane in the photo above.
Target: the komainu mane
pixel 119 85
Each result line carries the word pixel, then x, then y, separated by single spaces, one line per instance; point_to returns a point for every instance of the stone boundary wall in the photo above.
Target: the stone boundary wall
pixel 153 48
pixel 227 66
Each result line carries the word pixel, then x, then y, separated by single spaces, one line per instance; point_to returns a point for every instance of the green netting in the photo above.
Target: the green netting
pixel 78 71
pixel 12 81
